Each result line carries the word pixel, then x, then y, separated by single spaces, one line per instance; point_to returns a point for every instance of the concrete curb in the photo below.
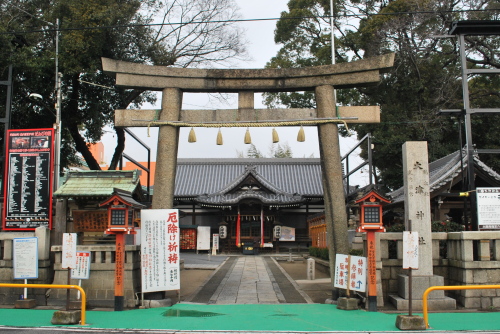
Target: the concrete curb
pixel 292 281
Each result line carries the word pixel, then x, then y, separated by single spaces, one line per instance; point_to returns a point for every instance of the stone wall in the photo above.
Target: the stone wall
pixel 464 258
pixel 100 288
pixel 474 259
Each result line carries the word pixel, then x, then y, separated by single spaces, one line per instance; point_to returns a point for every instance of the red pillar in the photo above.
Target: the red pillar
pixel 372 272
pixel 119 271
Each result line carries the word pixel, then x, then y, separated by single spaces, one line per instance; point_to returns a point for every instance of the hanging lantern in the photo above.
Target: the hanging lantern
pixel 301 137
pixel 219 138
pixel 248 139
pixel 275 136
pixel 192 136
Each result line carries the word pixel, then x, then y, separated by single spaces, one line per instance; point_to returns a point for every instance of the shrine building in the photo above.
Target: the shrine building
pixel 250 197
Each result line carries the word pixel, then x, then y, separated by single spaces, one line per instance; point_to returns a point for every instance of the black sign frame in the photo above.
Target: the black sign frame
pixel 29 175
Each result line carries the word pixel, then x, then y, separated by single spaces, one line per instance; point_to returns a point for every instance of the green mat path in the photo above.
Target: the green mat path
pixel 253 317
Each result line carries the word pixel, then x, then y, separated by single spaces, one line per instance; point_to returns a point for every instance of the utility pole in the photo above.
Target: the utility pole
pixel 57 125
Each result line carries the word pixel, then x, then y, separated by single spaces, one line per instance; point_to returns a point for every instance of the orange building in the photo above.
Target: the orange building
pixel 144 176
pixel 317 231
pixel 97 151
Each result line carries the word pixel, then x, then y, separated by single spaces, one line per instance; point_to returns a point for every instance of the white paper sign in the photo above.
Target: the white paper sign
pixel 215 241
pixel 68 251
pixel 160 247
pixel 82 268
pixel 488 208
pixel 410 250
pixel 25 258
pixel 350 272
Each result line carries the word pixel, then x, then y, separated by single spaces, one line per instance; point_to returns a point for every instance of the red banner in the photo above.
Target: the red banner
pixel 262 227
pixel 238 227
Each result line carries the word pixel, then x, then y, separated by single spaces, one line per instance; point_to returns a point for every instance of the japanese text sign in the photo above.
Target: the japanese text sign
pixel 28 179
pixel 215 241
pixel 160 246
pixel 82 268
pixel 410 250
pixel 488 208
pixel 69 251
pixel 25 258
pixel 350 272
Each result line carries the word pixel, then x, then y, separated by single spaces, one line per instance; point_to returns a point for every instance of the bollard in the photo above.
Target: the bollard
pixel 311 269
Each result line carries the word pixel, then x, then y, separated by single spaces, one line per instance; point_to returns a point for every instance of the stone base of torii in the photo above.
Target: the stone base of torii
pixel 323 80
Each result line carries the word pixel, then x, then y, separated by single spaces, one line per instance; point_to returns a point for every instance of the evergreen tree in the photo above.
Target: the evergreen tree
pixel 278 151
pixel 186 33
pixel 426 76
pixel 253 152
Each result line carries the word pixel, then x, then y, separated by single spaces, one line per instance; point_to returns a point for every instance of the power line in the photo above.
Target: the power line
pixel 251 20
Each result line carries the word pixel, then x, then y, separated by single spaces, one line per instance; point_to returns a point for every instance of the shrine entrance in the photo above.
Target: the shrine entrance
pixel 323 80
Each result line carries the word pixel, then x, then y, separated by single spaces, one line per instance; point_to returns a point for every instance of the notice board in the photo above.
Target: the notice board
pixel 160 256
pixel 203 238
pixel 28 175
pixel 350 272
pixel 488 208
pixel 25 258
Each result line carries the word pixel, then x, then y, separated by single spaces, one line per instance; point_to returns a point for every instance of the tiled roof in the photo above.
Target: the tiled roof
pixel 126 196
pixel 209 176
pixel 444 170
pixel 287 181
pixel 91 183
pixel 260 189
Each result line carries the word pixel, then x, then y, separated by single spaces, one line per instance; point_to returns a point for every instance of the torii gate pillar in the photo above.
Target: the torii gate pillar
pixel 166 155
pixel 333 185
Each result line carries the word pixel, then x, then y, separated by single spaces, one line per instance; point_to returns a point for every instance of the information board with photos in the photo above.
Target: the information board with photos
pixel 28 175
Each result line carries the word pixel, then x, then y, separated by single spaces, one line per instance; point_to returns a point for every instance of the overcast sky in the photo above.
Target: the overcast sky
pixel 261 48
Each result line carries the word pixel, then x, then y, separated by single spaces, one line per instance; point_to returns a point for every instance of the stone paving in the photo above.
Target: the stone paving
pixel 248 282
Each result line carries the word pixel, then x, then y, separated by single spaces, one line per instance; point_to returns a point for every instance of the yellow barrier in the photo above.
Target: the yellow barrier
pixel 454 287
pixel 53 286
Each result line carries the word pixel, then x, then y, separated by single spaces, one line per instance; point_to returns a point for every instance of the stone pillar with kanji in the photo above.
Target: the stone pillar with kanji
pixel 418 219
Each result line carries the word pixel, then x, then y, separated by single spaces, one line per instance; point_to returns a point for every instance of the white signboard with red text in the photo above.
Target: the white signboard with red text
pixel 160 269
pixel 350 271
pixel 82 267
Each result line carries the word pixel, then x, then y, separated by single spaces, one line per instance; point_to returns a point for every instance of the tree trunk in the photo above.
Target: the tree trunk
pixel 81 146
pixel 120 146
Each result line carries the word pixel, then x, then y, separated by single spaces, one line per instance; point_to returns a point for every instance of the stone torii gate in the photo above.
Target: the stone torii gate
pixel 172 82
